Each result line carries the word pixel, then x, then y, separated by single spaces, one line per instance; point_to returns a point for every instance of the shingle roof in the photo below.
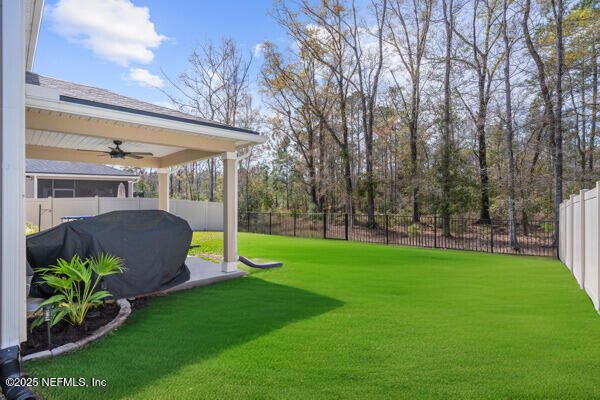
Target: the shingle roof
pixel 89 95
pixel 33 166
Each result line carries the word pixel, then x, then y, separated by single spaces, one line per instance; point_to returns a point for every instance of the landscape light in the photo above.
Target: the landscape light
pixel 47 319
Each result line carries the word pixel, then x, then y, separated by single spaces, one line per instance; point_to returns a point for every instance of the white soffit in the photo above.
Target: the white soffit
pixel 68 141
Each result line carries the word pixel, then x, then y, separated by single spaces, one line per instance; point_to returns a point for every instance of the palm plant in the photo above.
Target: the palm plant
pixel 75 282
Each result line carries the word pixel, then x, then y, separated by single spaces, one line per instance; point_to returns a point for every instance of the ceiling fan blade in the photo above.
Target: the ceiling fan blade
pixel 137 153
pixel 95 151
pixel 131 155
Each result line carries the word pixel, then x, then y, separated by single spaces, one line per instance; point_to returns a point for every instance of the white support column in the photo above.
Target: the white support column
pixel 582 236
pixel 163 189
pixel 35 187
pixel 230 255
pixel 130 189
pixel 12 102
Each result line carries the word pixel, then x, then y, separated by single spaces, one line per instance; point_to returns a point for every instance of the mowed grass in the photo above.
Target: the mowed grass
pixel 345 320
pixel 210 246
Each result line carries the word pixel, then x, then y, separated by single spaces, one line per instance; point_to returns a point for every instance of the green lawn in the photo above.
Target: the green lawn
pixel 349 320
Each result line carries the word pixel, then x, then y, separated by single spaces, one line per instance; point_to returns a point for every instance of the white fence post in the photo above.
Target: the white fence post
pixel 597 247
pixel 561 238
pixel 571 231
pixel 582 236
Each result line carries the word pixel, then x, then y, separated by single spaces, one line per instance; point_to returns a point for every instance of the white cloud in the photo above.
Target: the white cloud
pixel 114 30
pixel 258 49
pixel 144 78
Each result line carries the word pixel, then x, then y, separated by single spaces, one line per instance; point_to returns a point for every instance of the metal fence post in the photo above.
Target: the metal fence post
pixel 346 226
pixel 324 225
pixel 295 216
pixel 435 231
pixel 491 236
pixel 387 234
pixel 270 222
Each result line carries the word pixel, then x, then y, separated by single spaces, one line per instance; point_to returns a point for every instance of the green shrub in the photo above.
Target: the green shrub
pixel 75 282
pixel 458 227
pixel 414 230
pixel 548 227
pixel 30 228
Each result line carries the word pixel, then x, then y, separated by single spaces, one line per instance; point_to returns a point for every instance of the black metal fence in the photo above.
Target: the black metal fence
pixel 533 238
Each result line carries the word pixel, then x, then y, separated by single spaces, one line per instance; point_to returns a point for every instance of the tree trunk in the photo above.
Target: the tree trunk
pixel 211 180
pixel 247 186
pixel 370 180
pixel 312 172
pixel 346 151
pixel 512 229
pixel 413 173
pixel 484 196
pixel 412 128
pixel 550 123
pixel 558 135
pixel 594 105
pixel 322 163
pixel 445 209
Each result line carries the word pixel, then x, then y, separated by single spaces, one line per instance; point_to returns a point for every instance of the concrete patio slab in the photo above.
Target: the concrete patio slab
pixel 203 273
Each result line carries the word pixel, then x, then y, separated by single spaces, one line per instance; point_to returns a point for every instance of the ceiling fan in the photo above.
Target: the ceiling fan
pixel 118 153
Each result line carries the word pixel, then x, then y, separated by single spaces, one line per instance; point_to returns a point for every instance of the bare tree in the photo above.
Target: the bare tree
pixel 512 230
pixel 594 105
pixel 323 35
pixel 482 41
pixel 558 9
pixel 552 122
pixel 408 36
pixel 294 119
pixel 368 73
pixel 445 209
pixel 215 88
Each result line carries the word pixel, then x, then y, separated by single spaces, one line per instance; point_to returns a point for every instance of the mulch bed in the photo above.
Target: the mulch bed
pixel 63 332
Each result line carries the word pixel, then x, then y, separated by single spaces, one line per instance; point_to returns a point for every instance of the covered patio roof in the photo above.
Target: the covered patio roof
pixel 63 118
pixel 45 118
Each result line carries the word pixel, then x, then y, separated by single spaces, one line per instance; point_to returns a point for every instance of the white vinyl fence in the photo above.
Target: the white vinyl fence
pixel 46 213
pixel 579 238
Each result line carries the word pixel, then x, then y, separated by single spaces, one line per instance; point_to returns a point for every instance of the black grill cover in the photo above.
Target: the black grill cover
pixel 152 243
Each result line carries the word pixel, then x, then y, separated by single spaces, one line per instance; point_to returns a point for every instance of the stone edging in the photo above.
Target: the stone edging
pixel 124 312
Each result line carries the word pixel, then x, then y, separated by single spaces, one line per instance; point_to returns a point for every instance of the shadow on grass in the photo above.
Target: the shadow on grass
pixel 181 329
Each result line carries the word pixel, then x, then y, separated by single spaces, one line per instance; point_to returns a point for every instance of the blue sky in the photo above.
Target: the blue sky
pixel 112 43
